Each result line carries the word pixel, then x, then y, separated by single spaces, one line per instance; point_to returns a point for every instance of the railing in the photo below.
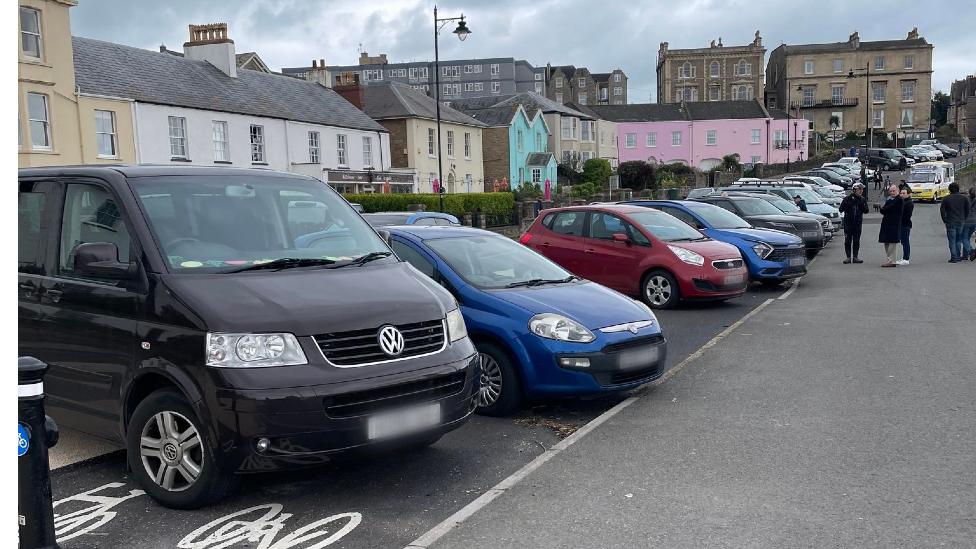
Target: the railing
pixel 782 144
pixel 825 103
pixel 499 220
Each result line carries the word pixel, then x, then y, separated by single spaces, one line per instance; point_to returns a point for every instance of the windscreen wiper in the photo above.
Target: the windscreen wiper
pixel 539 282
pixel 286 263
pixel 371 256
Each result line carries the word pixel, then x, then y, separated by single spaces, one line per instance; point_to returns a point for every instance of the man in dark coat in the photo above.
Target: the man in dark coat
pixel 800 203
pixel 854 206
pixel 877 178
pixel 906 222
pixel 954 211
pixel 890 233
pixel 902 163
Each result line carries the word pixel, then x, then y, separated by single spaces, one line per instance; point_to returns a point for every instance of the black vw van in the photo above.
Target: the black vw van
pixel 217 321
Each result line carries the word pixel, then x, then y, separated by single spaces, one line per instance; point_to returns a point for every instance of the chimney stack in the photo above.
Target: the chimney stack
pixel 913 34
pixel 318 73
pixel 210 43
pixel 348 86
pixel 854 40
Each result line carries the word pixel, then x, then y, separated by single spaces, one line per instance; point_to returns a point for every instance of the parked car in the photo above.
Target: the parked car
pixel 180 319
pixel 938 153
pixel 883 159
pixel 640 252
pixel 762 214
pixel 914 155
pixel 389 219
pixel 846 177
pixel 541 331
pixel 946 151
pixel 813 201
pixel 831 177
pixel 788 207
pixel 815 181
pixel 358 207
pixel 923 154
pixel 772 257
pixel 856 163
pixel 929 142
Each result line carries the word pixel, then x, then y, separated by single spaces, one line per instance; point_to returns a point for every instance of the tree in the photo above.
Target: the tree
pixel 730 163
pixel 834 124
pixel 597 170
pixel 636 174
pixel 940 107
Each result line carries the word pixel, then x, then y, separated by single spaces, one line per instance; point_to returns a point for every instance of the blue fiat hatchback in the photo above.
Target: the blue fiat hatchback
pixel 541 331
pixel 773 257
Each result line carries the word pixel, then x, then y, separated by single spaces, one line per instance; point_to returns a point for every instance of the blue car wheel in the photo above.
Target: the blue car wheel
pixel 501 386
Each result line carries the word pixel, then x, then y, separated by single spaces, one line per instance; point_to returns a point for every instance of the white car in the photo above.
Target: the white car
pixel 855 162
pixel 811 181
pixel 925 154
pixel 931 149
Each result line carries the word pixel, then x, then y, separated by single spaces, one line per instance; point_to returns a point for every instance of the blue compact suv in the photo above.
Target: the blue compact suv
pixel 540 331
pixel 772 256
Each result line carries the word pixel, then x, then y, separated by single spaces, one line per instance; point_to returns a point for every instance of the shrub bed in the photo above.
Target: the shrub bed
pixel 454 204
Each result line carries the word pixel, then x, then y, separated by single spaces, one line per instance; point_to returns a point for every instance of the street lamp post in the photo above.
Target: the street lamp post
pixel 462 32
pixel 869 132
pixel 789 105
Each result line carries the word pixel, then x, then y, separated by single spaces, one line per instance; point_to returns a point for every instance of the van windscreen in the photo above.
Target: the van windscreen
pixel 224 223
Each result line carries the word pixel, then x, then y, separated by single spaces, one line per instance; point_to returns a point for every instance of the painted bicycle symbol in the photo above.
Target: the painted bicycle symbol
pixel 251 526
pixel 85 520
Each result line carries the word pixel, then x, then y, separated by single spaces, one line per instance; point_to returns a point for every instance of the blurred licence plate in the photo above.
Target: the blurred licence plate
pixel 404 421
pixel 638 357
pixel 797 261
pixel 734 279
pixel 810 233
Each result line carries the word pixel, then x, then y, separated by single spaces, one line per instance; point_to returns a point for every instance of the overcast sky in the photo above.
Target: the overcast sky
pixel 600 35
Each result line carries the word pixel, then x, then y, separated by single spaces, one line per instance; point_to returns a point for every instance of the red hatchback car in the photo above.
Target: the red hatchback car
pixel 639 251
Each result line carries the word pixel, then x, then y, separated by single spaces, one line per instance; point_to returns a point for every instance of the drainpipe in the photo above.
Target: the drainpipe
pixel 768 120
pixel 135 131
pixel 81 134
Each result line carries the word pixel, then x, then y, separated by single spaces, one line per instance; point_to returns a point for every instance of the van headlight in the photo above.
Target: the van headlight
pixel 253 350
pixel 456 329
pixel 560 328
pixel 687 255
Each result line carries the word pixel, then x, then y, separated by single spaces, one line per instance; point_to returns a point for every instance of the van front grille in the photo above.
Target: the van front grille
pixel 359 347
pixel 372 401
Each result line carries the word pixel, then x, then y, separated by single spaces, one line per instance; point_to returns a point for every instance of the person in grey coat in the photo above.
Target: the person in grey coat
pixel 955 211
pixel 890 233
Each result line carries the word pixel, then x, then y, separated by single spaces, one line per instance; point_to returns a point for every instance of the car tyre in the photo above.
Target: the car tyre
pixel 501 392
pixel 165 436
pixel 659 290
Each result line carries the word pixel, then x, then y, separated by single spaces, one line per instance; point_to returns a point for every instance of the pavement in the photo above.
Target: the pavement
pixel 842 415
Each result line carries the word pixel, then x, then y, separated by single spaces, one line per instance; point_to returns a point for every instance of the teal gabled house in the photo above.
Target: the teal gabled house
pixel 514 145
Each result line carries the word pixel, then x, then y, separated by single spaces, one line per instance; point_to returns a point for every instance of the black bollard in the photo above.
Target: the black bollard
pixel 36 433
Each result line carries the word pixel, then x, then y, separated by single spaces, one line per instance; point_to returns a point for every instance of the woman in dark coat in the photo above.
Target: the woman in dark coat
pixel 890 234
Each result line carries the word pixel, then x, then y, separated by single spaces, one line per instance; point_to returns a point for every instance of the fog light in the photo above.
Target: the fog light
pixel 574 362
pixel 263 445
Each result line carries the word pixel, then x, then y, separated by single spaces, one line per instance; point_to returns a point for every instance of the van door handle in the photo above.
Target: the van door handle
pixel 54 293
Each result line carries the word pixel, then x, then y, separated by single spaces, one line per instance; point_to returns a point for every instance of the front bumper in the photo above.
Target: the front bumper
pixel 707 282
pixel 924 195
pixel 623 364
pixel 309 425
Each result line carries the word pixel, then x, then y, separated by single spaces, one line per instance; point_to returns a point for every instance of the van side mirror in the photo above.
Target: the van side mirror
pixel 385 235
pixel 621 237
pixel 101 260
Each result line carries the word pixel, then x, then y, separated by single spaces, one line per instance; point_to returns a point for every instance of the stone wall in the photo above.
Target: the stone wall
pixel 497 156
pixel 772 170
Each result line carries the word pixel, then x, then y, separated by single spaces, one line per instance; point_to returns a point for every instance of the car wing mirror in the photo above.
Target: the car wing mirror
pixel 385 235
pixel 621 237
pixel 101 260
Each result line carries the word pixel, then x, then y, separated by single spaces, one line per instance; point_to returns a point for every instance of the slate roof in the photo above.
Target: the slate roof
pixel 876 45
pixel 145 76
pixel 476 103
pixel 778 114
pixel 641 112
pixel 494 116
pixel 533 102
pixel 538 159
pixel 568 70
pixel 724 110
pixel 601 76
pixel 390 100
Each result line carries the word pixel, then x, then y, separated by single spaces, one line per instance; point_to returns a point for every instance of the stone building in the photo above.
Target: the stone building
pixel 570 84
pixel 962 107
pixel 715 73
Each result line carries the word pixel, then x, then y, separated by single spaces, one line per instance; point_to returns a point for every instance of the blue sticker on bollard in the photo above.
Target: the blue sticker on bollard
pixel 23 440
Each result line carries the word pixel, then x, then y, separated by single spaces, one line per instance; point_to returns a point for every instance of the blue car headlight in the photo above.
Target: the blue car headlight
pixel 559 328
pixel 762 249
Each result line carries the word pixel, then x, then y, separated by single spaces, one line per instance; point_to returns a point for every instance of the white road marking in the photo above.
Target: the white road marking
pixel 437 532
pixel 71 525
pixel 232 529
pixel 796 282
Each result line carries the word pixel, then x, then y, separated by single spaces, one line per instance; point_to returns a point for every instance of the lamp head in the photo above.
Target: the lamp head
pixel 462 30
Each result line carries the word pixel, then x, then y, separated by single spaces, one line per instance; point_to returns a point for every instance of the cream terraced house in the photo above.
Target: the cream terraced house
pixel 893 94
pixel 60 123
pixel 410 117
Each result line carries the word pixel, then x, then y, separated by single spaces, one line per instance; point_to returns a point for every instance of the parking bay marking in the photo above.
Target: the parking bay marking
pixel 431 536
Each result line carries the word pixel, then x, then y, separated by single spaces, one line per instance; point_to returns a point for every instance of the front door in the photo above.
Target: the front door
pixel 89 329
pixel 611 263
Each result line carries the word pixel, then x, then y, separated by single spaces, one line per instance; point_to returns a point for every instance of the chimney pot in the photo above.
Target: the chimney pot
pixel 211 43
pixel 314 66
pixel 322 63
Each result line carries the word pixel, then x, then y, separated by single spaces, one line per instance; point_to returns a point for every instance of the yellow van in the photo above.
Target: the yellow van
pixel 930 180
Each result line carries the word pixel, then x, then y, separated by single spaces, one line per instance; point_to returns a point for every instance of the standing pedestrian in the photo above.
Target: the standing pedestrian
pixel 853 152
pixel 889 235
pixel 877 178
pixel 538 206
pixel 969 227
pixel 864 174
pixel 955 211
pixel 854 206
pixel 887 183
pixel 902 163
pixel 906 222
pixel 800 203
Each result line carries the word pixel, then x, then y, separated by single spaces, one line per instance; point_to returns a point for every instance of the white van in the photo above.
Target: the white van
pixel 930 180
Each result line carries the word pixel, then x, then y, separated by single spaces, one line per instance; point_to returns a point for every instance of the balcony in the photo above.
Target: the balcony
pixel 788 144
pixel 825 103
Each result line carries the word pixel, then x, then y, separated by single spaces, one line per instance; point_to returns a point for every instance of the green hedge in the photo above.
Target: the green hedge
pixel 454 204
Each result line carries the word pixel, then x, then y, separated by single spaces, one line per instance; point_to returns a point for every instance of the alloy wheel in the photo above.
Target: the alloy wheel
pixel 658 290
pixel 171 451
pixel 491 381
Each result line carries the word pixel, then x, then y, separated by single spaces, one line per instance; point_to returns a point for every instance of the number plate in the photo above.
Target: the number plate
pixel 811 233
pixel 797 261
pixel 734 279
pixel 403 422
pixel 638 358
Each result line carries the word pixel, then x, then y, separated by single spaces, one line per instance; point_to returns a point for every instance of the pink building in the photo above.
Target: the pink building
pixel 701 133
